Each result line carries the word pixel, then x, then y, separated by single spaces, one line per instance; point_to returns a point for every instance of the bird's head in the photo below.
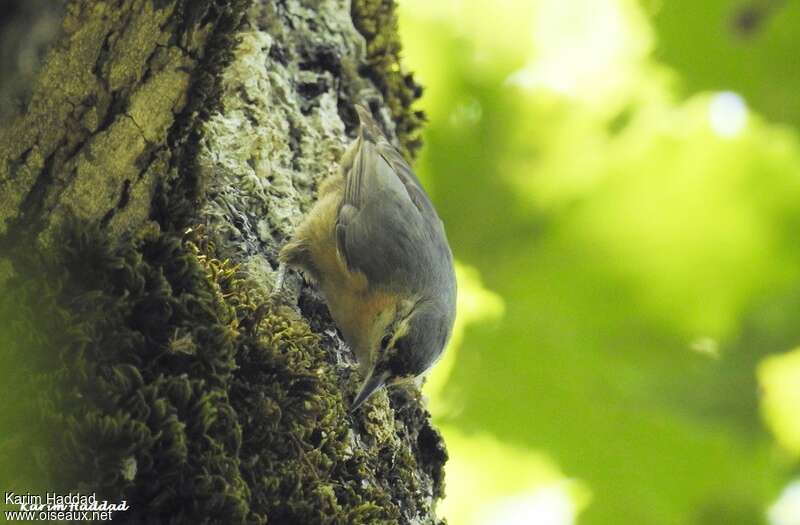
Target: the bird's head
pixel 408 347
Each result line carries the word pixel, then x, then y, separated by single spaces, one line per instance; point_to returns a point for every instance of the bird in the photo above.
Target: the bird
pixel 377 250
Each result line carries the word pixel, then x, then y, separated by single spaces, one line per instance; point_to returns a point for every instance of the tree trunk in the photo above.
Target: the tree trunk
pixel 147 179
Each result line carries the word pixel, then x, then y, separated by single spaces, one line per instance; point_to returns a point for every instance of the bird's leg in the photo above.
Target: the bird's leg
pixel 278 296
pixel 285 290
pixel 280 281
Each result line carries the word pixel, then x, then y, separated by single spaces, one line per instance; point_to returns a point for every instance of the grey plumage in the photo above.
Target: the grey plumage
pixel 387 227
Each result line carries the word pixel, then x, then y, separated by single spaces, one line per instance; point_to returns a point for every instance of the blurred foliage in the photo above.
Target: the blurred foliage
pixel 619 181
pixel 778 376
pixel 746 46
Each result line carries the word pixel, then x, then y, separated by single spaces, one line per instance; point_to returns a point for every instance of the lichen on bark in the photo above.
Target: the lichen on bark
pixel 167 150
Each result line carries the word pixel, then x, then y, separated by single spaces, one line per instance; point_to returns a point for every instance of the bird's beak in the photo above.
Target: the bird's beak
pixel 370 386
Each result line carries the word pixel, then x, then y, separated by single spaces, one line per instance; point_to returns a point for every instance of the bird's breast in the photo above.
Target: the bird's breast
pixel 361 316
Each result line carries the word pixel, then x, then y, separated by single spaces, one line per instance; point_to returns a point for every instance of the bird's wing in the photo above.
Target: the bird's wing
pixel 407 177
pixel 386 227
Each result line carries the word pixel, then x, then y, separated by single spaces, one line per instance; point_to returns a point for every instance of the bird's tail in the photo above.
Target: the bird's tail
pixel 369 128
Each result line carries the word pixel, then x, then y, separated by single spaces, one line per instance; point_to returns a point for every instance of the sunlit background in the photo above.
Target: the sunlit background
pixel 620 182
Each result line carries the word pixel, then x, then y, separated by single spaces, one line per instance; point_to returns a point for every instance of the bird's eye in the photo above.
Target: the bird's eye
pixel 385 341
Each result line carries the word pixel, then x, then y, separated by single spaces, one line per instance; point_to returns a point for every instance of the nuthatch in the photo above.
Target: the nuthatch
pixel 377 249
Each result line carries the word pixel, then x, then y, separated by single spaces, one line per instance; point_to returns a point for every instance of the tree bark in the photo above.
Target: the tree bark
pixel 147 179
